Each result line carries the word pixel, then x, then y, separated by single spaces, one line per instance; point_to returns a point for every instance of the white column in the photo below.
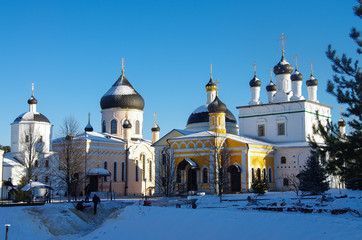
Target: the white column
pixel 312 93
pixel 244 170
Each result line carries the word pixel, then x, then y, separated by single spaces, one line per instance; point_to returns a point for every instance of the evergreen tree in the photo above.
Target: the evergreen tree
pixel 344 152
pixel 260 185
pixel 313 177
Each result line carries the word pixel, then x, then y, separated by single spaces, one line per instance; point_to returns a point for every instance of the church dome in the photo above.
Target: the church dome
pixel 283 67
pixel 211 85
pixel 312 81
pixel 31 116
pixel 255 82
pixel 127 124
pixel 296 76
pixel 155 128
pixel 122 95
pixel 201 115
pixel 342 123
pixel 32 100
pixel 271 87
pixel 217 106
pixel 88 128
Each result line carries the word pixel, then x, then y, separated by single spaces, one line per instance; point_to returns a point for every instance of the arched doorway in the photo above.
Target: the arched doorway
pixel 191 180
pixel 235 178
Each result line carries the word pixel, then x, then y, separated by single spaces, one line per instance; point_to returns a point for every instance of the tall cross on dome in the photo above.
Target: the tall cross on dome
pixel 282 39
pixel 271 74
pixel 88 117
pixel 32 89
pixel 122 64
pixel 254 65
pixel 311 67
pixel 155 117
pixel 296 62
pixel 341 108
pixel 217 89
pixel 211 70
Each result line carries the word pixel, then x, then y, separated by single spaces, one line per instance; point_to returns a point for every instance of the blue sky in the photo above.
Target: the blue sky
pixel 72 50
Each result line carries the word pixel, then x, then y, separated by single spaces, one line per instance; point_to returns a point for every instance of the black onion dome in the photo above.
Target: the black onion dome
pixel 127 124
pixel 122 95
pixel 216 106
pixel 341 123
pixel 88 128
pixel 211 85
pixel 32 100
pixel 201 115
pixel 255 82
pixel 271 87
pixel 312 81
pixel 30 116
pixel 296 76
pixel 155 128
pixel 283 67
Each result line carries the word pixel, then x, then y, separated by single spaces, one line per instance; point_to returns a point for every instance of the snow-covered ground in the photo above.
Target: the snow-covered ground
pixel 211 220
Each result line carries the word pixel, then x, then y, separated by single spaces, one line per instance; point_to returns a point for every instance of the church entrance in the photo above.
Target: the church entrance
pixel 93 185
pixel 235 178
pixel 191 180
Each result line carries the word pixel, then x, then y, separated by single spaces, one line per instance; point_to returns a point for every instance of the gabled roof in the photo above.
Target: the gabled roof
pixel 172 134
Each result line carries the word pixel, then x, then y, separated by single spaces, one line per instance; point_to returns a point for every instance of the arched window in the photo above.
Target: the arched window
pixel 150 171
pixel 105 167
pixel 270 175
pixel 283 160
pixel 143 159
pixel 114 126
pixel 123 172
pixel 285 182
pixel 258 174
pixel 252 175
pixel 46 163
pixel 104 126
pixel 137 127
pixel 264 174
pixel 204 176
pixel 115 171
pixel 136 171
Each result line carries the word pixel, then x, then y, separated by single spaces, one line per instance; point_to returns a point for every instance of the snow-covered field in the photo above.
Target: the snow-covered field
pixel 211 220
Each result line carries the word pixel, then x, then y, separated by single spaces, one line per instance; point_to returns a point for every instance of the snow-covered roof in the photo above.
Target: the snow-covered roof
pixel 97 171
pixel 292 145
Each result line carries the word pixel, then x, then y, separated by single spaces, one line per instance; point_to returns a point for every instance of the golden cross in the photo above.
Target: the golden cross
pixel 254 65
pixel 155 117
pixel 296 61
pixel 341 108
pixel 271 74
pixel 311 67
pixel 282 38
pixel 210 70
pixel 32 89
pixel 89 118
pixel 122 64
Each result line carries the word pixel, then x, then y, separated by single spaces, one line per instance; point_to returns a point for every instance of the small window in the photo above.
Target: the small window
pixel 150 171
pixel 27 138
pixel 137 127
pixel 270 175
pixel 47 163
pixel 264 174
pixel 204 176
pixel 115 171
pixel 41 139
pixel 283 160
pixel 122 172
pixel 285 182
pixel 143 158
pixel 281 129
pixel 261 130
pixel 46 179
pixel 136 171
pixel 105 167
pixel 114 126
pixel 104 126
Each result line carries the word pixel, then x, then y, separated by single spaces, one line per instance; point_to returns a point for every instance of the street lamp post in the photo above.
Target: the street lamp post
pixel 110 188
pixel 7 231
pixel 145 188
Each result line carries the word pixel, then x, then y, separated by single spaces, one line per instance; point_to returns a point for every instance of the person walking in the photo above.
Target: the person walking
pixel 96 200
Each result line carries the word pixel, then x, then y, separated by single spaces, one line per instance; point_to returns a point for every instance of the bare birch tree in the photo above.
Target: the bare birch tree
pixel 166 173
pixel 71 154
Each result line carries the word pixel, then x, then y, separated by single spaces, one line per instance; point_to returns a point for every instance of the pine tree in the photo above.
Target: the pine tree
pixel 344 152
pixel 260 185
pixel 313 177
